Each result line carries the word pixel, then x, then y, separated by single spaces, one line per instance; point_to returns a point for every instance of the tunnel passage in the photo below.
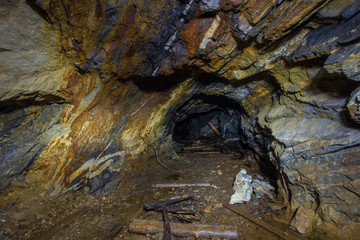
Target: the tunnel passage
pixel 197 127
pixel 208 120
pixel 214 123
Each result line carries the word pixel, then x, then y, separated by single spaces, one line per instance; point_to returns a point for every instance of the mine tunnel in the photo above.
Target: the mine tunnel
pixel 187 119
pixel 196 128
pixel 208 124
pixel 207 120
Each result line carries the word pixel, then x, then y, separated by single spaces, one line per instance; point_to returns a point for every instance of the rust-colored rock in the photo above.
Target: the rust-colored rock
pixel 80 83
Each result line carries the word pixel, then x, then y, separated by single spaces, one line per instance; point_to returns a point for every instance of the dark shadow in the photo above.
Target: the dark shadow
pixel 335 85
pixel 208 78
pixel 42 13
pixel 226 118
pixel 12 104
pixel 186 131
pixel 319 61
pixel 160 83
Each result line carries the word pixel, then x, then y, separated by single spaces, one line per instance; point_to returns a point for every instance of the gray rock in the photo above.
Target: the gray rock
pixel 327 37
pixel 21 145
pixel 262 188
pixel 345 61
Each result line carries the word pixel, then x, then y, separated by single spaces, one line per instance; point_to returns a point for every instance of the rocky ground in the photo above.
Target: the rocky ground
pixel 79 215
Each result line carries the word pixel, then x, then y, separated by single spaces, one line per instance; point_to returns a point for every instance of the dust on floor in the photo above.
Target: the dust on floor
pixel 80 215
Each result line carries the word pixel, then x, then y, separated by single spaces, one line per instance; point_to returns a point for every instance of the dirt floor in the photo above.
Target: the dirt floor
pixel 84 216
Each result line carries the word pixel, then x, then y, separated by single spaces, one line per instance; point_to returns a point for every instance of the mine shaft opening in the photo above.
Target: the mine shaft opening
pixel 205 120
pixel 210 125
pixel 198 128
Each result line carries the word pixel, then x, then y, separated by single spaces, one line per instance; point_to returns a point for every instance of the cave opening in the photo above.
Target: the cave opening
pixel 211 125
pixel 208 120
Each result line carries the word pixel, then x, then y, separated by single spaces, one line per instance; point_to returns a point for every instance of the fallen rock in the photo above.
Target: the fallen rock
pixel 207 209
pixel 242 188
pixel 218 205
pixel 303 220
pixel 156 196
pixel 262 188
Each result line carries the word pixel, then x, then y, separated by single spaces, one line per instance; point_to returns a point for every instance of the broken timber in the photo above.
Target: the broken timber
pixel 183 230
pixel 264 225
pixel 167 230
pixel 214 129
pixel 160 205
pixel 199 148
pixel 114 232
pixel 176 211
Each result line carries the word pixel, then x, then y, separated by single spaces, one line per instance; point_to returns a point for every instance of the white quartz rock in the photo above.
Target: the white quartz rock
pixel 242 188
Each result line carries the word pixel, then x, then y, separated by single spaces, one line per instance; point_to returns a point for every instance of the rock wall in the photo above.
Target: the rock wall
pixel 82 84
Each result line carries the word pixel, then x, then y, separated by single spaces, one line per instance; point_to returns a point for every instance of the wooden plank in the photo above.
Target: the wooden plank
pixel 166 203
pixel 282 234
pixel 204 153
pixel 167 229
pixel 198 147
pixel 60 225
pixel 176 211
pixel 174 185
pixel 214 129
pixel 183 230
pixel 114 232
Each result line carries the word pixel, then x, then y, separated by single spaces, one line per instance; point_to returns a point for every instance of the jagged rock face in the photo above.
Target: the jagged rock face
pixel 82 84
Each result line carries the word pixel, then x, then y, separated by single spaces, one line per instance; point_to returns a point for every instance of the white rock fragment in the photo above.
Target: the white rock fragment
pixel 242 188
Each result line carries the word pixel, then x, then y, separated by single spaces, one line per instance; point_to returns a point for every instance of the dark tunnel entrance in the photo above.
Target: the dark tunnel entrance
pixel 209 120
pixel 197 128
pixel 217 124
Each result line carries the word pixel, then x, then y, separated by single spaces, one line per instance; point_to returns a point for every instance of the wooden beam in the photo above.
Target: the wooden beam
pixel 282 234
pixel 174 185
pixel 183 230
pixel 214 129
pixel 114 232
pixel 166 203
pixel 167 229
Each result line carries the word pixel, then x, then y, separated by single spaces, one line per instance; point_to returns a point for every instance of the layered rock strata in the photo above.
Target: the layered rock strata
pixel 83 84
